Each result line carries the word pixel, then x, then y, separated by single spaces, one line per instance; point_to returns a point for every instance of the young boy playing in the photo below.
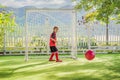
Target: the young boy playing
pixel 52 45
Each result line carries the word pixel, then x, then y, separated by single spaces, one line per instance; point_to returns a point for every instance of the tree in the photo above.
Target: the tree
pixel 7 23
pixel 101 10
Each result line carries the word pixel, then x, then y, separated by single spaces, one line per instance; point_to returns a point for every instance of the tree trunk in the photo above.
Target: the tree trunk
pixel 107 34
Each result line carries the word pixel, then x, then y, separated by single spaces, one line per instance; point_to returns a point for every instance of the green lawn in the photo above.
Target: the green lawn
pixel 103 67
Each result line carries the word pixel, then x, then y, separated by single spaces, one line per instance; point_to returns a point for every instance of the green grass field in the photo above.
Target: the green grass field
pixel 103 67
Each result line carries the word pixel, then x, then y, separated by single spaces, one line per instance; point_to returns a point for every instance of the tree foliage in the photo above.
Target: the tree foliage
pixel 7 18
pixel 101 10
pixel 7 23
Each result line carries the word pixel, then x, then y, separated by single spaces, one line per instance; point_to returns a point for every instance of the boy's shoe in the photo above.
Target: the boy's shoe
pixel 51 60
pixel 59 61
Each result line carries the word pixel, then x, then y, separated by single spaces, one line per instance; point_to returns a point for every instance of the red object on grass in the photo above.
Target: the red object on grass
pixel 90 55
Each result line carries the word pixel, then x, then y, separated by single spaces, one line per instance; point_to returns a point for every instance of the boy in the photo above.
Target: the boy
pixel 52 44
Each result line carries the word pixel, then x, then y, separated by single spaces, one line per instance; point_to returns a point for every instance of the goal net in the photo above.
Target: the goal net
pixel 38 27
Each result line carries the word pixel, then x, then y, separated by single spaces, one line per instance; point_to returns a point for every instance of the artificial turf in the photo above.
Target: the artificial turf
pixel 103 67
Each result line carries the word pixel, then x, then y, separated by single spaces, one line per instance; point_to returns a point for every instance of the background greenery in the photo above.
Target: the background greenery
pixel 101 10
pixel 7 23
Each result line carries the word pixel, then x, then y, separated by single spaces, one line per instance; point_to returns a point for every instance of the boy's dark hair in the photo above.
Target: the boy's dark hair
pixel 55 27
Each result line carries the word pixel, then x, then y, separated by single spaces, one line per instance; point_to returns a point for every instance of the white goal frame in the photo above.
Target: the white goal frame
pixel 74 32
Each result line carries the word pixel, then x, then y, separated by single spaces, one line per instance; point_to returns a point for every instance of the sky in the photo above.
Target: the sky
pixel 36 3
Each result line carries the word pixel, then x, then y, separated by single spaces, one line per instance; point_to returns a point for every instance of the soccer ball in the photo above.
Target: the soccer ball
pixel 89 55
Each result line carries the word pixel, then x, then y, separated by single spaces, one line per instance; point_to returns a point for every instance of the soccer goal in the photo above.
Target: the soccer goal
pixel 39 25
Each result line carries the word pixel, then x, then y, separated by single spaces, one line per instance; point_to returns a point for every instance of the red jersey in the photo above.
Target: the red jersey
pixel 52 43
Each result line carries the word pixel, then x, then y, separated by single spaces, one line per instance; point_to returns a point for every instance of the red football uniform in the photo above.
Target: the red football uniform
pixel 53 48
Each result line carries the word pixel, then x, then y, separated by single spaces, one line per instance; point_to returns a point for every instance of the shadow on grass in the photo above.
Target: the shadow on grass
pixel 8 72
pixel 70 71
pixel 11 62
pixel 74 76
pixel 54 70
pixel 102 72
pixel 116 66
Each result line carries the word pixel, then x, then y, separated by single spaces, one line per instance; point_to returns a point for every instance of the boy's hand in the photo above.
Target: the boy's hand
pixel 54 41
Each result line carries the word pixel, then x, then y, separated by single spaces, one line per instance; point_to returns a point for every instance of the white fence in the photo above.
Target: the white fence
pixel 14 41
pixel 94 35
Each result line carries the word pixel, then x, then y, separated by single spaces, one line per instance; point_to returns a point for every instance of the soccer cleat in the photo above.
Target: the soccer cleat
pixel 59 61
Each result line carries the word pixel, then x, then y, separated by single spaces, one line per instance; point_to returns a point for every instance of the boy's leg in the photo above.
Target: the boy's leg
pixel 51 57
pixel 53 53
pixel 57 57
pixel 56 54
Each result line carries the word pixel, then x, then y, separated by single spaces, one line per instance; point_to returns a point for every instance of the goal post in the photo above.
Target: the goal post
pixel 39 24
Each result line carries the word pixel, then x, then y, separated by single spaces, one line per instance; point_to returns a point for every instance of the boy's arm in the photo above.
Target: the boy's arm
pixel 53 39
